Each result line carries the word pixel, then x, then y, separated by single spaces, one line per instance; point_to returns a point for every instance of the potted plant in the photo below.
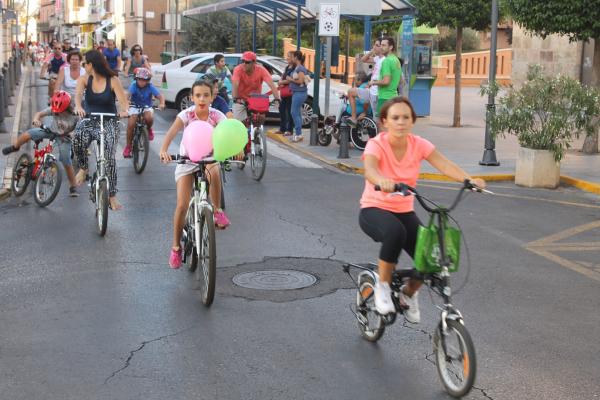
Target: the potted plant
pixel 545 114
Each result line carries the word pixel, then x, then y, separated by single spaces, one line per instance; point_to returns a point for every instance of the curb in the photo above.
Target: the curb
pixel 586 186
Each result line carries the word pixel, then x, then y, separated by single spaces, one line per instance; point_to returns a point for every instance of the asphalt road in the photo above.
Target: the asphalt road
pixel 85 317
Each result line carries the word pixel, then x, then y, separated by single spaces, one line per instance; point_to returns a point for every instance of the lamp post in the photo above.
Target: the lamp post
pixel 489 154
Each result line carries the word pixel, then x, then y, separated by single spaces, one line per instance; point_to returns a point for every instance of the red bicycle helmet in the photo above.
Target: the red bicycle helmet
pixel 60 101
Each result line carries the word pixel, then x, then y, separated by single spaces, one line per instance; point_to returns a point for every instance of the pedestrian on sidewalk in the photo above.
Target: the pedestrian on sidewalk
pixel 389 75
pixel 369 93
pixel 285 105
pixel 63 123
pixel 298 81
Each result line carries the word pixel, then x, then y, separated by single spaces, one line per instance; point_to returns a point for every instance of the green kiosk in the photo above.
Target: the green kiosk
pixel 416 46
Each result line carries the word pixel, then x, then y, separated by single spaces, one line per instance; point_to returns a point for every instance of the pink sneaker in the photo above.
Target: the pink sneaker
pixel 221 220
pixel 150 134
pixel 175 258
pixel 127 152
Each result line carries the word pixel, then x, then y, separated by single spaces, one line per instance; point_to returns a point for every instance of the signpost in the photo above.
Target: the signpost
pixel 329 26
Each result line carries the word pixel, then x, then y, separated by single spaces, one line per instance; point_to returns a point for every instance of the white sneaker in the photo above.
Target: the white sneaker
pixel 383 298
pixel 412 315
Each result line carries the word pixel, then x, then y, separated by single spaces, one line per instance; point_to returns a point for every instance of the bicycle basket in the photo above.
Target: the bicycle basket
pixel 427 250
pixel 258 103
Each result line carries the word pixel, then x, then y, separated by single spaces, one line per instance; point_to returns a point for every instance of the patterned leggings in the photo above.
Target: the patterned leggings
pixel 88 130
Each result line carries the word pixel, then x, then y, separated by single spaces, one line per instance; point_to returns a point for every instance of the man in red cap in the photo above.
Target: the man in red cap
pixel 247 79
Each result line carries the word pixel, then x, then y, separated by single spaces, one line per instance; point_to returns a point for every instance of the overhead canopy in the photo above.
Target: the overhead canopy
pixel 287 11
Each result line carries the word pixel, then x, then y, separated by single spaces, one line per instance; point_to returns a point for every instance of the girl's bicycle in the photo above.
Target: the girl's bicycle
pixel 43 170
pixel 199 231
pixel 365 129
pixel 140 145
pixel 452 345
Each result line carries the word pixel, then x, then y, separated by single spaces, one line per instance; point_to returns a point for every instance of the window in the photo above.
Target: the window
pixel 232 62
pixel 203 66
pixel 267 67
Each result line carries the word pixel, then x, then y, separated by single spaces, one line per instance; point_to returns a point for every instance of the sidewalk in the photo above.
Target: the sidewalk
pixel 20 115
pixel 463 145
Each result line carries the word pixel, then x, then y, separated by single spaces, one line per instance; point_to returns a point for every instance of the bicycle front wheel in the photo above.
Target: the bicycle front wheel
pixel 258 159
pixel 455 358
pixel 207 256
pixel 141 148
pixel 47 184
pixel 102 208
pixel 21 175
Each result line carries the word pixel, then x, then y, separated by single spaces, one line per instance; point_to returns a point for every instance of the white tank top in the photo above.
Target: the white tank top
pixel 69 84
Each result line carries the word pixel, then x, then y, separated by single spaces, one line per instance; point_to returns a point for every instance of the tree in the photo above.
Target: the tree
pixel 577 19
pixel 458 14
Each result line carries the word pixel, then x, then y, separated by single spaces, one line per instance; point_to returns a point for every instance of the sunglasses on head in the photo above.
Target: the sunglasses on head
pixel 248 62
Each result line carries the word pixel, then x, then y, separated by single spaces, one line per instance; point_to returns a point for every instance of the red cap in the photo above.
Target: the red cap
pixel 248 56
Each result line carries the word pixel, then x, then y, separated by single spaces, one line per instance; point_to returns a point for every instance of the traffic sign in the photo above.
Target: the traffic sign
pixel 329 19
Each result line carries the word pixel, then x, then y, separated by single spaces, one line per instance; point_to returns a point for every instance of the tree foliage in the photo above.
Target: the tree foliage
pixel 473 14
pixel 578 19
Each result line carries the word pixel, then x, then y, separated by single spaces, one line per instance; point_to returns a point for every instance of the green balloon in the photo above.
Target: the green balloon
pixel 229 138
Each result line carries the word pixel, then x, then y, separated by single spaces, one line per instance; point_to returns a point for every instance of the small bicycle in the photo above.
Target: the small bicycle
pixel 365 129
pixel 199 231
pixel 43 170
pixel 99 185
pixel 140 145
pixel 257 106
pixel 452 345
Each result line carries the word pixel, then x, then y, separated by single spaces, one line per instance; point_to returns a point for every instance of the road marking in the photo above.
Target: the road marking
pixel 546 247
pixel 289 157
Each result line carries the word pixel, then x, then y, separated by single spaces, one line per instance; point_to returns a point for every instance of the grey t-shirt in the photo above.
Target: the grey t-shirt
pixel 62 123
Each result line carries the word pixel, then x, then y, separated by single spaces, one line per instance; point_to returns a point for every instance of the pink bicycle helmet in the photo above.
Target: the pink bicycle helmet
pixel 143 73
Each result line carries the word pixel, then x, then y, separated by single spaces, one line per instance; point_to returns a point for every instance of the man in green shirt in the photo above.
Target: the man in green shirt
pixel 389 74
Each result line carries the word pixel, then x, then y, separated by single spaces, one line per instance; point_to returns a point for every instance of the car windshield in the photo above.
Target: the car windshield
pixel 278 63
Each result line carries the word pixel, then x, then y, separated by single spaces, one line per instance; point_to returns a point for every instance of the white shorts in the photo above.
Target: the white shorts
pixel 136 111
pixel 365 95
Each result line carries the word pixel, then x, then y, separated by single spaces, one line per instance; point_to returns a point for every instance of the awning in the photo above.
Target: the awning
pixel 287 10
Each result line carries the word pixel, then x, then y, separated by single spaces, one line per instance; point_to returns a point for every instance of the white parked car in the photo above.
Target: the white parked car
pixel 176 78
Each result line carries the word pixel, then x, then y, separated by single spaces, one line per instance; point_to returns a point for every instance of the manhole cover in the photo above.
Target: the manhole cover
pixel 275 280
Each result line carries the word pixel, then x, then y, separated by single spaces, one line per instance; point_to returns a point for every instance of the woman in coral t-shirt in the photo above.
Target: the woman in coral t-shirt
pixel 395 156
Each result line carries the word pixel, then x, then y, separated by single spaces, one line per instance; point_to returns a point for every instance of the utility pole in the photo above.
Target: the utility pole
pixel 489 153
pixel 176 26
pixel 26 23
pixel 173 27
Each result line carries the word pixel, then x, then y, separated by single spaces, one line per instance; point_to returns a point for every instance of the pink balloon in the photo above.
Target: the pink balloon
pixel 197 140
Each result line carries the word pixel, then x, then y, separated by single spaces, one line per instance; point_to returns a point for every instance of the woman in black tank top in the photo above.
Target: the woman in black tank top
pixel 98 88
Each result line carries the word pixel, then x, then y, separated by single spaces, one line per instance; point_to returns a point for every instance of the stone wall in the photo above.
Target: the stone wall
pixel 555 53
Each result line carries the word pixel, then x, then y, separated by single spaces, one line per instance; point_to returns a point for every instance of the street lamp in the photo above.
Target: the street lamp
pixel 489 154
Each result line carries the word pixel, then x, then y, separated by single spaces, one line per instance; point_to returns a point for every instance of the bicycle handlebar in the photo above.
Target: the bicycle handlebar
pixel 406 190
pixel 181 159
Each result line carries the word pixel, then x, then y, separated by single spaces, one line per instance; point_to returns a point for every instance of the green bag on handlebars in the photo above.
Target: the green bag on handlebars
pixel 427 250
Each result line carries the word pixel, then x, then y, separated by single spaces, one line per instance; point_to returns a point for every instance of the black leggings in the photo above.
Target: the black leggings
pixel 395 231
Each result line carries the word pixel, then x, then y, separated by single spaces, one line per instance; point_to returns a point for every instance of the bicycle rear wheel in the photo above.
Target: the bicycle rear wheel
pixel 102 208
pixel 21 175
pixel 366 128
pixel 47 184
pixel 370 323
pixel 207 256
pixel 258 159
pixel 141 148
pixel 455 358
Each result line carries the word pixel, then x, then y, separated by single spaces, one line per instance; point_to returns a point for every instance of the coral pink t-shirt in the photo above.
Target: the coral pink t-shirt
pixel 403 171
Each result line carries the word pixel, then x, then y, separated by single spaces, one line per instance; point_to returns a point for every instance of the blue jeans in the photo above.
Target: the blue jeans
pixel 298 98
pixel 285 114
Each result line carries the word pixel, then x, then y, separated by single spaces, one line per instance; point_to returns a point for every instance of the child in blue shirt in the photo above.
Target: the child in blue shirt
pixel 141 93
pixel 218 102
